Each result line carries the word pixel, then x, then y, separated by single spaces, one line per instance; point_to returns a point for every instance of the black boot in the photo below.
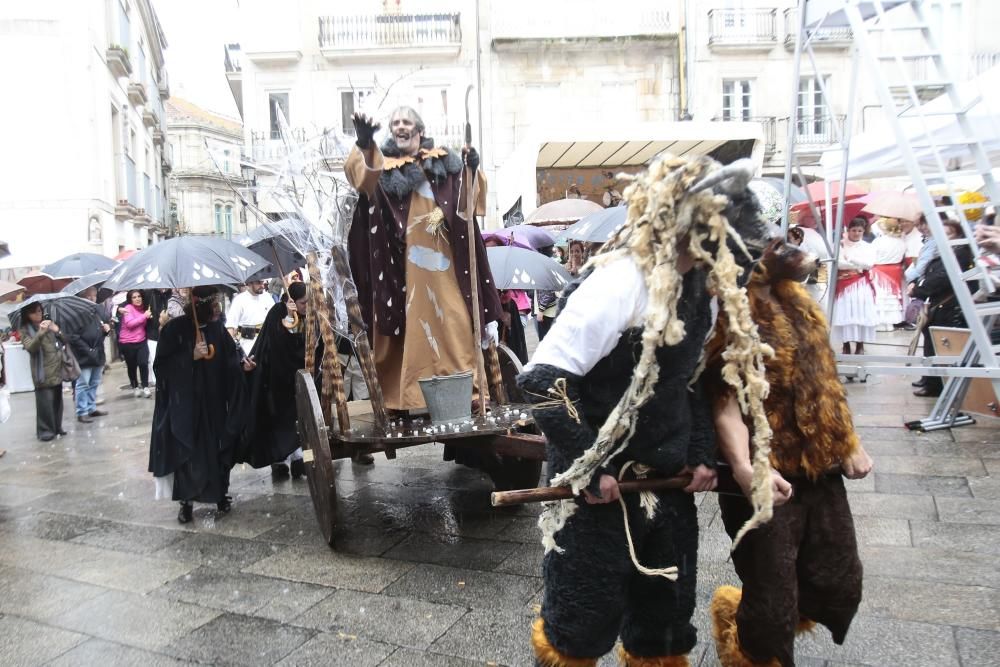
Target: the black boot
pixel 298 468
pixel 224 505
pixel 279 470
pixel 186 514
pixel 919 383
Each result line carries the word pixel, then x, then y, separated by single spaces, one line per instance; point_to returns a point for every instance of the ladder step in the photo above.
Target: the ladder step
pixel 898 28
pixel 988 308
pixel 909 56
pixel 916 111
pixel 945 144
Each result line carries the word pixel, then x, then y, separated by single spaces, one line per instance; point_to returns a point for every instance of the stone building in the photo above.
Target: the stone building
pixel 205 151
pixel 85 162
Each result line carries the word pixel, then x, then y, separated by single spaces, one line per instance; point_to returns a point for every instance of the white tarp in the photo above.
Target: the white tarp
pixel 875 154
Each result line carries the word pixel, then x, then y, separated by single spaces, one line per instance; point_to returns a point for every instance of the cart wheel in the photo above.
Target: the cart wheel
pixel 510 368
pixel 316 439
pixel 510 473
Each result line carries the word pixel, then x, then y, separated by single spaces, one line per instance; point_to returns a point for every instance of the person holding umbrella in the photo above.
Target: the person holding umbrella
pixel 87 346
pixel 39 335
pixel 200 407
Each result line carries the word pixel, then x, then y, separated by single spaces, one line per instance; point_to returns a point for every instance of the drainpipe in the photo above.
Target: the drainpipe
pixel 682 106
pixel 479 78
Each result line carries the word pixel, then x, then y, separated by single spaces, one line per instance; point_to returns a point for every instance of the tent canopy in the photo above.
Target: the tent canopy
pixel 875 154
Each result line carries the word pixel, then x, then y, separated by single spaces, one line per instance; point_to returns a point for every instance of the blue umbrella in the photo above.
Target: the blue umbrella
pixel 95 279
pixel 78 264
pixel 596 227
pixel 522 269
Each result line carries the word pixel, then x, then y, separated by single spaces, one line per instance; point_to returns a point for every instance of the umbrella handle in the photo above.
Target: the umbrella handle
pixel 199 337
pixel 290 321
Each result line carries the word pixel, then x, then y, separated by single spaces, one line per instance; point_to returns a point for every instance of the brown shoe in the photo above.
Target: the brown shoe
pixel 98 413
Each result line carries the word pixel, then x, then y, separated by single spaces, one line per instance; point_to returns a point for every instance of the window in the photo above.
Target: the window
pixel 736 99
pixel 218 218
pixel 225 161
pixel 350 101
pixel 277 101
pixel 814 119
pixel 229 221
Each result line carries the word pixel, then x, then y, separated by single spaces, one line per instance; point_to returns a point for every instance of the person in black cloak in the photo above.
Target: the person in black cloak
pixel 199 410
pixel 270 434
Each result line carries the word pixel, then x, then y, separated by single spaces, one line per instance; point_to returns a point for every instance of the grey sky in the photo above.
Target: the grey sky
pixel 196 31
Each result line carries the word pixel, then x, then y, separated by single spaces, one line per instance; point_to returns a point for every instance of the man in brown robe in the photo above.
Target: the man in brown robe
pixel 409 252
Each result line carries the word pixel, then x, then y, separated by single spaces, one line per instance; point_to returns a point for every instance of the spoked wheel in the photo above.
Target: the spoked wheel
pixel 316 440
pixel 510 368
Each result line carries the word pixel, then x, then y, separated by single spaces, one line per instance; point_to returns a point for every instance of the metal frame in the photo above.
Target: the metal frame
pixel 979 358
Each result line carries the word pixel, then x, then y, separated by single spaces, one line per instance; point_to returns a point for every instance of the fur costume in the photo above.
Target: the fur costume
pixel 803 565
pixel 633 397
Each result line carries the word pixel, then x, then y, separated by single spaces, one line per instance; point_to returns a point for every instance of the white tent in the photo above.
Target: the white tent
pixel 875 154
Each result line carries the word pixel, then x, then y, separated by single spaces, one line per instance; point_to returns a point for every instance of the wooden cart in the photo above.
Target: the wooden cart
pixel 503 443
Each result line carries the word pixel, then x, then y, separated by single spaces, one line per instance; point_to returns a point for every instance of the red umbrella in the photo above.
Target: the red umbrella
pixel 124 254
pixel 9 291
pixel 37 282
pixel 853 208
pixel 817 190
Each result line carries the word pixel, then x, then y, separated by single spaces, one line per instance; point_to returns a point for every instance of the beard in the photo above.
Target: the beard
pixel 408 142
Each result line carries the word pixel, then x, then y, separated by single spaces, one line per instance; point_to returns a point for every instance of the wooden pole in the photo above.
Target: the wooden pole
pixel 477 333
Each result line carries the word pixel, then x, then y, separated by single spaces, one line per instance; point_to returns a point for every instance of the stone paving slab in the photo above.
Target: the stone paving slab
pixel 490 636
pixel 964 537
pixel 144 622
pixel 207 549
pixel 452 550
pixel 885 641
pixel 41 597
pixel 339 650
pixel 320 566
pixel 978 648
pixel 935 485
pixel 969 510
pixel 466 588
pixel 397 620
pixel 100 652
pixel 938 603
pixel 894 506
pixel 932 564
pixel 239 640
pixel 26 643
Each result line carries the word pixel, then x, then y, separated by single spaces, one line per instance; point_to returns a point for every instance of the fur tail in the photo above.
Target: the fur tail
pixel 629 660
pixel 546 654
pixel 727 643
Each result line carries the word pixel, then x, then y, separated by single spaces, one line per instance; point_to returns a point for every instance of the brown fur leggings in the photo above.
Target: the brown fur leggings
pixel 803 563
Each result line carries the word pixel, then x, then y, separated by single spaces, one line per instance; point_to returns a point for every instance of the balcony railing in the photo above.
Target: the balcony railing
pixel 742 27
pixel 982 62
pixel 545 21
pixel 768 125
pixel 389 31
pixel 264 148
pixel 837 37
pixel 819 130
pixel 131 195
pixel 232 60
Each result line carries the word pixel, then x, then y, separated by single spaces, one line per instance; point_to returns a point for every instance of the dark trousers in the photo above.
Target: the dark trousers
pixel 802 564
pixel 543 327
pixel 48 411
pixel 593 593
pixel 136 356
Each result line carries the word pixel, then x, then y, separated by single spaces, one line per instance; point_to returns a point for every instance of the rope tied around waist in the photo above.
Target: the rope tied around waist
pixel 649 505
pixel 556 396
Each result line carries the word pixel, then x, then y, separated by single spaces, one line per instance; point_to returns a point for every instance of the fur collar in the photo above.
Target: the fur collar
pixel 401 180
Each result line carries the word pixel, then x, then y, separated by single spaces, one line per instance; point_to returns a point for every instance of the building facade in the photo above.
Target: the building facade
pixel 740 56
pixel 85 167
pixel 560 95
pixel 205 151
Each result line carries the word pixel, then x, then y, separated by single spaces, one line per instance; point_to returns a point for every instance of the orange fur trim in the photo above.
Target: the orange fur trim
pixel 546 653
pixel 629 660
pixel 727 644
pixel 805 625
pixel 390 163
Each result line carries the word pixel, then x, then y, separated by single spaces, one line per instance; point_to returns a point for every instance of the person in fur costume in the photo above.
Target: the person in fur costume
pixel 802 567
pixel 616 392
pixel 409 255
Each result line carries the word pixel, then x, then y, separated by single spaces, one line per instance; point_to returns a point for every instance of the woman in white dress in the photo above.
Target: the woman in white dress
pixel 887 274
pixel 854 315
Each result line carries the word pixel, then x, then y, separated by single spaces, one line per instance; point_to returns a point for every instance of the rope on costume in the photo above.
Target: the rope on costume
pixel 559 391
pixel 665 572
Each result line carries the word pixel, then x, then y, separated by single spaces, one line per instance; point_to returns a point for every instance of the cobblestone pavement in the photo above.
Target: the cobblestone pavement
pixel 93 571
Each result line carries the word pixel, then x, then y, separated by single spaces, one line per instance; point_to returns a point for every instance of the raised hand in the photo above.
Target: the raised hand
pixel 471 157
pixel 365 129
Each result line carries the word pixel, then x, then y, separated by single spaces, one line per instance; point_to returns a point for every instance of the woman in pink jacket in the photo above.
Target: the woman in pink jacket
pixel 132 341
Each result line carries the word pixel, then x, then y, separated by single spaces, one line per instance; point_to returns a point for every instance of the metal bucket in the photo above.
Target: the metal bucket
pixel 448 397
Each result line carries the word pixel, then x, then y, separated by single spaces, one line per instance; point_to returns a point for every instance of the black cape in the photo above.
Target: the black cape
pixel 270 434
pixel 200 407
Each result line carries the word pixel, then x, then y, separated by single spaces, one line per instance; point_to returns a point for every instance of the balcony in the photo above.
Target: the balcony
pixel 166 164
pixel 148 117
pixel 818 132
pixel 742 29
pixel 390 35
pixel 128 201
pixel 163 86
pixel 118 62
pixel 534 22
pixel 822 38
pixel 137 93
pixel 158 136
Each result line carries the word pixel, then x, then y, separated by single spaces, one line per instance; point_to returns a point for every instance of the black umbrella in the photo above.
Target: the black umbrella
pixel 95 279
pixel 285 244
pixel 78 264
pixel 596 227
pixel 70 312
pixel 4 249
pixel 518 268
pixel 186 261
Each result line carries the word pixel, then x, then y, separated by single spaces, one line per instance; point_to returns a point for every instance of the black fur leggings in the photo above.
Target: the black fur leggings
pixel 593 592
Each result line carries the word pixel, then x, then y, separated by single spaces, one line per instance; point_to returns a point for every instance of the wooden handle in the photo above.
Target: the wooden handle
pixel 543 494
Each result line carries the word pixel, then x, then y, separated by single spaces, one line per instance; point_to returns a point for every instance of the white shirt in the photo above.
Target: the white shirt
pixel 889 249
pixel 612 299
pixel 914 241
pixel 248 310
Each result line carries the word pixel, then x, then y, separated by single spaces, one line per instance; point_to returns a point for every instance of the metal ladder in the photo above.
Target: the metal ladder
pixel 866 19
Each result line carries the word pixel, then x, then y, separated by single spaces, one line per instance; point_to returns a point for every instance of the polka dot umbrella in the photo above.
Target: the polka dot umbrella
pixel 186 261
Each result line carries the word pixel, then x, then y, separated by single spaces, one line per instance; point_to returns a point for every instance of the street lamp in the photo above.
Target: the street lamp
pixel 249 173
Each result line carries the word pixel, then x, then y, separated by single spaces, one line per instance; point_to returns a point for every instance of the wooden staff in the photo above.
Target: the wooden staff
pixel 477 334
pixel 291 320
pixel 725 484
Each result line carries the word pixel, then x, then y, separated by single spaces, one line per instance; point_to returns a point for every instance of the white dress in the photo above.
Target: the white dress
pixel 854 315
pixel 887 276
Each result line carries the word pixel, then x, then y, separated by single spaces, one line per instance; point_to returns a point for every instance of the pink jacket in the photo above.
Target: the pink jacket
pixel 133 325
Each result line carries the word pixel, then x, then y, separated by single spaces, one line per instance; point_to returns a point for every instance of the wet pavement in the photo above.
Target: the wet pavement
pixel 93 571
